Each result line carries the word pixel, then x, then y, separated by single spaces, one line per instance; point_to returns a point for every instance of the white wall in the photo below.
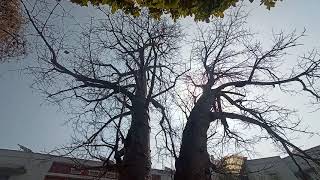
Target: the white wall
pixel 36 166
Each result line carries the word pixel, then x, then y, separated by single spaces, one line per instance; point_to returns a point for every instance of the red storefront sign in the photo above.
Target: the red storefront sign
pixel 71 169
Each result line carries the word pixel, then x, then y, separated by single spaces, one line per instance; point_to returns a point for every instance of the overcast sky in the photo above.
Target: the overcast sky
pixel 25 118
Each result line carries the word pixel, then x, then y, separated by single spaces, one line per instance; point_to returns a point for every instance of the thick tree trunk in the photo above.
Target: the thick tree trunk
pixel 193 162
pixel 137 163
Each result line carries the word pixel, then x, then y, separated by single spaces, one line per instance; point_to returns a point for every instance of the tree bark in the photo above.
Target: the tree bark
pixel 193 162
pixel 136 162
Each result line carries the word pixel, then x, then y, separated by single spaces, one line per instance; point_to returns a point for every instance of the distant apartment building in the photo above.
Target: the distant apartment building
pixel 272 168
pixel 312 170
pixel 21 165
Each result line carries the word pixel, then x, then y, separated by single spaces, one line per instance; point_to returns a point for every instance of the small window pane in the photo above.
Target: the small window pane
pixel 4 177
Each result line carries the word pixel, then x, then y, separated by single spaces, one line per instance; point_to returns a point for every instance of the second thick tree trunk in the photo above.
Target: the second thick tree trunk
pixel 136 160
pixel 137 163
pixel 193 162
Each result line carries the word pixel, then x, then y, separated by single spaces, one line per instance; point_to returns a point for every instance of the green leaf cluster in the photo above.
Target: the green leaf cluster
pixel 201 10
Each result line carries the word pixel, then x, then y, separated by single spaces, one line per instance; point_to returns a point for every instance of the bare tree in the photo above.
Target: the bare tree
pixel 231 71
pixel 12 43
pixel 110 71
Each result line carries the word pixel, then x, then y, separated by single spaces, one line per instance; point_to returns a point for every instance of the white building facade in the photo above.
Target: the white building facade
pixel 19 165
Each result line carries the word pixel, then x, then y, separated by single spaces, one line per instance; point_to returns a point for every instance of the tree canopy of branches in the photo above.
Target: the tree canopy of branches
pixel 117 67
pixel 12 43
pixel 200 9
pixel 231 73
pixel 111 70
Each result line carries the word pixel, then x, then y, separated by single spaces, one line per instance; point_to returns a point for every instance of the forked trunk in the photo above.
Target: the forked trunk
pixel 136 162
pixel 193 162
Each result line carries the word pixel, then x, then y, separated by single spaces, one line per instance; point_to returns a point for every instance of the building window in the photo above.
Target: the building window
pixel 75 171
pixel 274 176
pixel 111 175
pixel 260 177
pixel 300 176
pixel 4 177
pixel 93 173
pixel 155 177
